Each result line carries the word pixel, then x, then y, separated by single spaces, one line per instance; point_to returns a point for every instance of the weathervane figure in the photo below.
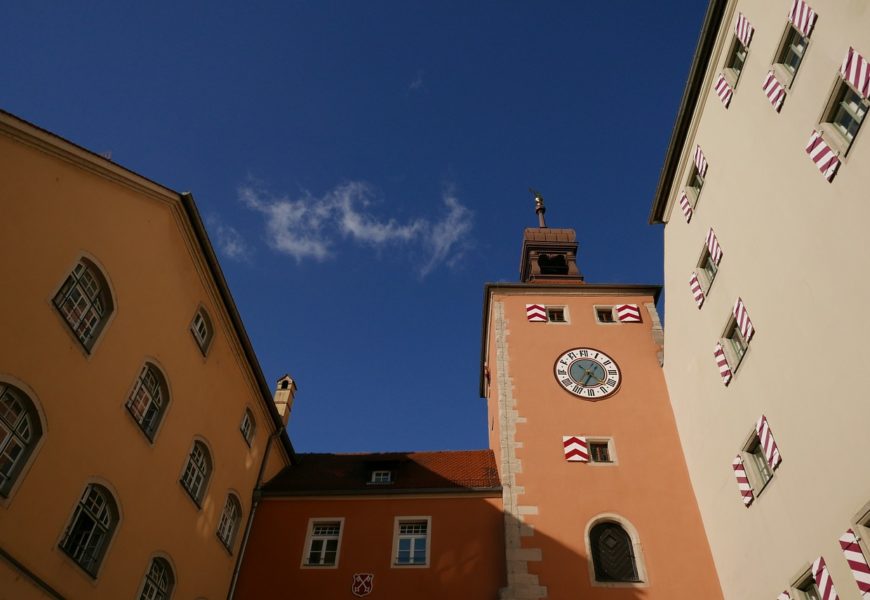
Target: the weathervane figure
pixel 540 209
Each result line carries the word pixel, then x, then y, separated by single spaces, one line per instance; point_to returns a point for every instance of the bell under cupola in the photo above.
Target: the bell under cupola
pixel 549 255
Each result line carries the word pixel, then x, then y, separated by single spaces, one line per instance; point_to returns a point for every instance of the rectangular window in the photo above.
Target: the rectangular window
pixel 736 60
pixel 411 542
pixel 381 477
pixel 708 269
pixel 604 314
pixel 694 185
pixel 791 52
pixel 758 464
pixel 323 543
pixel 845 114
pixel 807 590
pixel 735 345
pixel 556 315
pixel 599 452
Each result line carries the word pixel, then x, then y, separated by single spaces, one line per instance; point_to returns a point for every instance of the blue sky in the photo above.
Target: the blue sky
pixel 363 168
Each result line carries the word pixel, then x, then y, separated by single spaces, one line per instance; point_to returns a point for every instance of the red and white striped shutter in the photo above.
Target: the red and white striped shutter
pixel 687 208
pixel 697 292
pixel 742 481
pixel 802 17
pixel 722 363
pixel 773 90
pixel 768 444
pixel 744 29
pixel 700 161
pixel 857 561
pixel 576 448
pixel 723 90
pixel 856 71
pixel 784 595
pixel 536 313
pixel 822 155
pixel 823 580
pixel 713 247
pixel 743 322
pixel 628 313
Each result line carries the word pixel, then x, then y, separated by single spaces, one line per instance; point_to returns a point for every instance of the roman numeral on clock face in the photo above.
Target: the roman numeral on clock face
pixel 587 373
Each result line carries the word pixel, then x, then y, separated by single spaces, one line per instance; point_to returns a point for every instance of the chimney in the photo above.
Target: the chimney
pixel 284 394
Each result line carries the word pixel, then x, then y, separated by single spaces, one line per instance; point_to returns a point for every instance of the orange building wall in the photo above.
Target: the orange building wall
pixel 466 552
pixel 53 211
pixel 649 486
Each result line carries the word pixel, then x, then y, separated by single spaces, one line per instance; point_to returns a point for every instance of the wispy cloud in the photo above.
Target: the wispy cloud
pixel 229 241
pixel 310 227
pixel 416 83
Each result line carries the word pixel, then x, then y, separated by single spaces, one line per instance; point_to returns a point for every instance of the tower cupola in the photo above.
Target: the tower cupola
pixel 548 255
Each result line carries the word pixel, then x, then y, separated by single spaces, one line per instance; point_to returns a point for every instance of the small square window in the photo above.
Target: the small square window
pixel 736 60
pixel 791 52
pixel 604 314
pixel 555 315
pixel 322 544
pixel 599 452
pixel 845 114
pixel 381 477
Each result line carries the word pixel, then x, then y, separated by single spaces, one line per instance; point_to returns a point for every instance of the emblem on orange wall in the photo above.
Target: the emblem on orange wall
pixel 362 584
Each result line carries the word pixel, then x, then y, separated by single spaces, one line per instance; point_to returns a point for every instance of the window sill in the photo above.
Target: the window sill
pixel 396 565
pixel 732 77
pixel 318 567
pixel 197 503
pixel 835 140
pixel 783 75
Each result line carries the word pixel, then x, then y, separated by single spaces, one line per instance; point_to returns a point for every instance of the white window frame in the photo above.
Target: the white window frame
pixel 248 427
pixel 141 390
pixel 203 336
pixel 804 577
pixel 406 520
pixel 694 193
pixel 25 433
pixel 310 537
pixel 377 477
pixel 203 473
pixel 105 517
pixel 78 303
pixel 228 526
pixel 151 582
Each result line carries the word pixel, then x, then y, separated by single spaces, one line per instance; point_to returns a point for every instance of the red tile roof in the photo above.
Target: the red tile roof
pixel 412 472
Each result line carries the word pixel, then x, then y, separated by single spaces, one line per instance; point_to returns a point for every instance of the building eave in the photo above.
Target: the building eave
pixel 579 289
pixel 488 492
pixel 688 104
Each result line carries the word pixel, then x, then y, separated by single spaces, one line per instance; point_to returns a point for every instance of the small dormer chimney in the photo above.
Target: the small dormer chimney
pixel 284 394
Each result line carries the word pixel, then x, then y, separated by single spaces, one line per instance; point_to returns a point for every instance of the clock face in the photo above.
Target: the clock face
pixel 588 373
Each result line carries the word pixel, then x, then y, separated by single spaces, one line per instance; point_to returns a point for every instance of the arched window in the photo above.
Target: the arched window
pixel 148 401
pixel 229 523
pixel 612 553
pixel 84 302
pixel 91 528
pixel 197 471
pixel 20 430
pixel 159 581
pixel 202 330
pixel 248 426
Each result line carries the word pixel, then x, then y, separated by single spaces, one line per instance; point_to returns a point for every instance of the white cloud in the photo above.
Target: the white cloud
pixel 416 83
pixel 309 227
pixel 230 242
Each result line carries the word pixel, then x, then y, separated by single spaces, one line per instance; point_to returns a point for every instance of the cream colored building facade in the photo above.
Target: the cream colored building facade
pixel 777 242
pixel 135 422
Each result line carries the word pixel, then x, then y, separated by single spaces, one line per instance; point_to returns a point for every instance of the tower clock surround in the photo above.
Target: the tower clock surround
pixel 587 373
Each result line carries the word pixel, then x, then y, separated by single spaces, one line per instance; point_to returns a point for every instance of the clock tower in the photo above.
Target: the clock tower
pixel 597 498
